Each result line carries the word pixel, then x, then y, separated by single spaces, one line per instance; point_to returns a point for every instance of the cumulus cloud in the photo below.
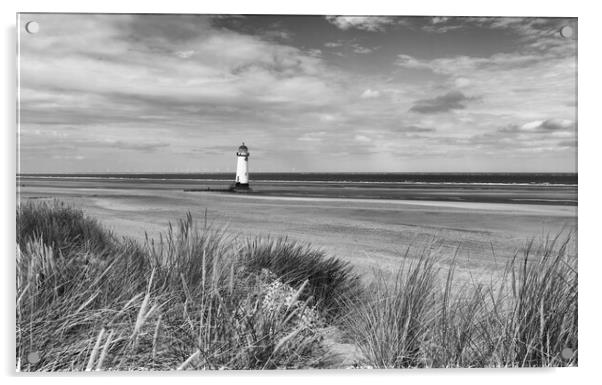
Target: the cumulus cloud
pixel 408 61
pixel 314 52
pixel 557 124
pixel 361 50
pixel 370 94
pixel 185 54
pixel 462 82
pixel 543 126
pixel 511 85
pixel 349 45
pixel 143 76
pixel 442 24
pixel 366 23
pixel 453 100
pixel 362 138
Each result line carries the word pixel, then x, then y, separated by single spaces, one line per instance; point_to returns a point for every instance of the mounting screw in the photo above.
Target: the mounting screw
pixel 32 27
pixel 566 31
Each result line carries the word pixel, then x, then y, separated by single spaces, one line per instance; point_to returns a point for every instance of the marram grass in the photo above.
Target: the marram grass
pixel 185 302
pixel 528 318
pixel 197 298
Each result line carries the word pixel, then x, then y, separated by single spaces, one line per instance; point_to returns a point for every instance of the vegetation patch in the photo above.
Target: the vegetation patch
pixel 197 298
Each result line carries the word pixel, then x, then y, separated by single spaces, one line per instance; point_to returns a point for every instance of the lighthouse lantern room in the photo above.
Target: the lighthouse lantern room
pixel 242 168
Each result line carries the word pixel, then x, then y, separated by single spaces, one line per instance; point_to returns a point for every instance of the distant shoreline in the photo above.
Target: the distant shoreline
pixel 403 179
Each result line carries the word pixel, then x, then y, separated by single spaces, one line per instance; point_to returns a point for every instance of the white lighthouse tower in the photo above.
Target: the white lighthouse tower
pixel 242 168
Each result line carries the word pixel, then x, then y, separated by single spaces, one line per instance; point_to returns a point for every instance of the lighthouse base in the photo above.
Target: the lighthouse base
pixel 240 187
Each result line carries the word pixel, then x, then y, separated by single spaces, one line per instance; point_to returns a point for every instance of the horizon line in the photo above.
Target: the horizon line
pixel 294 172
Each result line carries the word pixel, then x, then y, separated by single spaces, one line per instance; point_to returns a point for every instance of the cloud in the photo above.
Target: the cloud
pixel 328 118
pixel 557 124
pixel 354 47
pixel 408 61
pixel 361 50
pixel 362 138
pixel 467 64
pixel 145 147
pixel 568 143
pixel 314 52
pixel 313 136
pixel 511 85
pixel 453 100
pixel 370 94
pixel 552 126
pixel 416 129
pixel 185 54
pixel 366 23
pixel 462 82
pixel 70 147
pixel 531 126
pixel 441 28
pixel 144 76
pixel 441 24
pixel 277 35
pixel 530 28
pixel 535 33
pixel 214 150
pixel 68 157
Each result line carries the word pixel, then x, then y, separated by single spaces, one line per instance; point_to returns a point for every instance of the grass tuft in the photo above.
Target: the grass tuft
pixel 65 229
pixel 330 282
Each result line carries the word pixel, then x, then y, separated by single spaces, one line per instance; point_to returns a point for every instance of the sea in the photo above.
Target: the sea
pixel 558 179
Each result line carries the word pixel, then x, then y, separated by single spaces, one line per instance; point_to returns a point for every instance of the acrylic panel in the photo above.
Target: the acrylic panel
pixel 295 192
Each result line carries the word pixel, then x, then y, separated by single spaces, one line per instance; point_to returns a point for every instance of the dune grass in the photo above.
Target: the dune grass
pixel 187 301
pixel 61 227
pixel 198 298
pixel 525 319
pixel 330 280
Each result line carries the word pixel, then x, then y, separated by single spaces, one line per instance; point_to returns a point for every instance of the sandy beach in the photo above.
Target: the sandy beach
pixel 369 233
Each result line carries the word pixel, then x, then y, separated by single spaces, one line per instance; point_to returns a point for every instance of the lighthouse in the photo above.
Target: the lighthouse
pixel 242 168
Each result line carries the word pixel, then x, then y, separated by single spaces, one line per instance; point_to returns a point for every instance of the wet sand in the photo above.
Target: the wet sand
pixel 456 192
pixel 369 233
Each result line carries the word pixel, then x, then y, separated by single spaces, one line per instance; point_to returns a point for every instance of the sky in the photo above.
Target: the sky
pixel 180 93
